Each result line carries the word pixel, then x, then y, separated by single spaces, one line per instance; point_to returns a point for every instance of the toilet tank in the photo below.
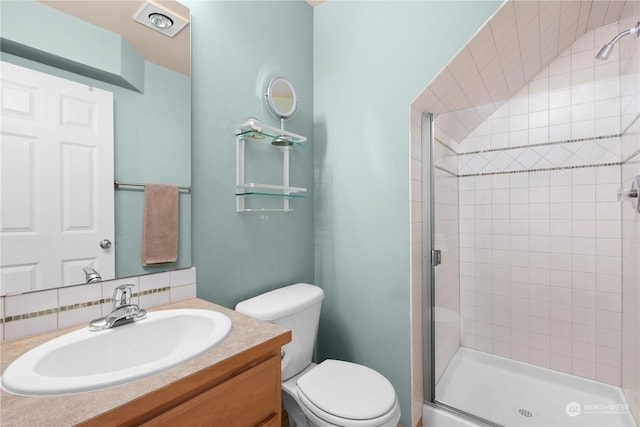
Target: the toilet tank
pixel 295 307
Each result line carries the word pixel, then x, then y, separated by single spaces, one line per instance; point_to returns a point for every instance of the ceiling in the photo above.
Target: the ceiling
pixel 116 16
pixel 517 42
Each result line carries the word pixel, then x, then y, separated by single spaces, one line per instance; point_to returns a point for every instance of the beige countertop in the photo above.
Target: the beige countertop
pixel 66 410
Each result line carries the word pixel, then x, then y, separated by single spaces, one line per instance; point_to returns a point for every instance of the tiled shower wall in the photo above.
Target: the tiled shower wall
pixel 570 145
pixel 540 243
pixel 630 151
pixel 540 269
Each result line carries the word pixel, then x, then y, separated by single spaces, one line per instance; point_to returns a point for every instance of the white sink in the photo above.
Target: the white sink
pixel 82 360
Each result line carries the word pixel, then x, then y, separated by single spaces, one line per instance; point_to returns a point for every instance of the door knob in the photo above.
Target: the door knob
pixel 105 244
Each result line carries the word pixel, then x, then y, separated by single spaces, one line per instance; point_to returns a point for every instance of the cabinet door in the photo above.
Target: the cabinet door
pixel 251 398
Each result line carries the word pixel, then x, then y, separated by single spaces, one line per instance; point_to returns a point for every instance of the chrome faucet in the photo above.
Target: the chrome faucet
pixel 92 275
pixel 122 312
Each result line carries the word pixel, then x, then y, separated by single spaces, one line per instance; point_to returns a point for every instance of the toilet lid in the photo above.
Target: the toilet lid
pixel 348 390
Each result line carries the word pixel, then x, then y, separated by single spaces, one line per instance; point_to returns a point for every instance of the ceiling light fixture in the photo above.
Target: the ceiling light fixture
pixel 160 18
pixel 161 21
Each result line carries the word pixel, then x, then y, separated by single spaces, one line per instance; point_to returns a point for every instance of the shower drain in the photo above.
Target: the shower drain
pixel 525 413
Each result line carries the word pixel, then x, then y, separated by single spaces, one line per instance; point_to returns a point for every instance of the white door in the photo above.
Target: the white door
pixel 56 180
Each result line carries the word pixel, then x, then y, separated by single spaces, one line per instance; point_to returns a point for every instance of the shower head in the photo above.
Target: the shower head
pixel 607 48
pixel 605 51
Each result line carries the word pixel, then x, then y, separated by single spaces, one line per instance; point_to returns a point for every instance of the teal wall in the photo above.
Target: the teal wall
pixel 370 60
pixel 152 129
pixel 238 47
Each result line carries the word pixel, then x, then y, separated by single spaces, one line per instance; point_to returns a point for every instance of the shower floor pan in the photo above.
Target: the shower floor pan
pixel 513 393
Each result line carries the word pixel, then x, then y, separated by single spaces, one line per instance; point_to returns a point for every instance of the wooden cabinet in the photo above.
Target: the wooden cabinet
pixel 242 391
pixel 248 399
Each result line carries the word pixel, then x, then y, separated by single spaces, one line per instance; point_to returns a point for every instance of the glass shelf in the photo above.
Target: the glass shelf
pixel 255 189
pixel 261 210
pixel 254 130
pixel 261 193
pixel 267 138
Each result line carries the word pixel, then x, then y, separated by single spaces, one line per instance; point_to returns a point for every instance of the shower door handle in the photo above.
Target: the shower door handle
pixel 436 257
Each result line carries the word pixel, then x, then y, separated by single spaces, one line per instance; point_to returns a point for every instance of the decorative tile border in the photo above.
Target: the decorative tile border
pixel 63 308
pixel 486 162
pixel 29 315
pixel 542 144
pixel 556 168
pixel 596 151
pixel 589 152
pixel 527 170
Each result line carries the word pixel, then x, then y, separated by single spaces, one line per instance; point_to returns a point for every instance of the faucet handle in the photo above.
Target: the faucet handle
pixel 122 295
pixel 633 194
pixel 91 275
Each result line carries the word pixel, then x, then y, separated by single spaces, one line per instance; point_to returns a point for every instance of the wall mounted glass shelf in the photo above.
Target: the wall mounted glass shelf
pixel 255 189
pixel 253 130
pixel 262 210
pixel 257 131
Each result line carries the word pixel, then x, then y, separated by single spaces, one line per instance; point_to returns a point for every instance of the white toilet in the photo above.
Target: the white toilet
pixel 332 393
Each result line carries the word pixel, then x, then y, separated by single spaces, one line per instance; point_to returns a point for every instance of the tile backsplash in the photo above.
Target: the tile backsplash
pixel 32 313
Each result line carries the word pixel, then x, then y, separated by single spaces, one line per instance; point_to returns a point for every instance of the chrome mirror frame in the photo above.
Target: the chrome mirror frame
pixel 276 86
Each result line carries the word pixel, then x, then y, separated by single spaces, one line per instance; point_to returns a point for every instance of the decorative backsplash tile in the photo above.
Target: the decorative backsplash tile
pixel 31 313
pixel 19 305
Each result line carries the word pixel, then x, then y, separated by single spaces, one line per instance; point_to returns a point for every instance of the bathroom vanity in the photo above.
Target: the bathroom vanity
pixel 237 382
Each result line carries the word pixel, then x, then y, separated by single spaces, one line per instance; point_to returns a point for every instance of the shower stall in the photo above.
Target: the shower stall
pixel 531 232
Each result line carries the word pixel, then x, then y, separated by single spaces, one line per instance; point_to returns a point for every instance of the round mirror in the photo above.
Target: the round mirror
pixel 281 98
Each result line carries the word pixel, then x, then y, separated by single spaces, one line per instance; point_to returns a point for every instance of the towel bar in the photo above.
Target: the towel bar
pixel 117 184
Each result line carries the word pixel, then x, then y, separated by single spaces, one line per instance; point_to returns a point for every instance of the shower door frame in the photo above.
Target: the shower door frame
pixel 428 276
pixel 428 273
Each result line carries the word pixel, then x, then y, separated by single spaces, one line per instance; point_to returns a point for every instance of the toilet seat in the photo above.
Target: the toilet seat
pixel 320 418
pixel 347 394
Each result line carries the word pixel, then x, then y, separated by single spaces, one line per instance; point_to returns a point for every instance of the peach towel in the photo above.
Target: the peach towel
pixel 160 224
